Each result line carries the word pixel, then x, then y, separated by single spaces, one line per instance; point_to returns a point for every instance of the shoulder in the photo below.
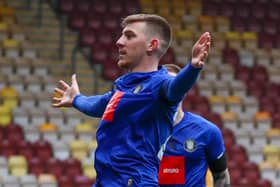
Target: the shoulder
pixel 202 122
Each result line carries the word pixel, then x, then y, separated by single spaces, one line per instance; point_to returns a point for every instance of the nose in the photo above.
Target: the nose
pixel 120 42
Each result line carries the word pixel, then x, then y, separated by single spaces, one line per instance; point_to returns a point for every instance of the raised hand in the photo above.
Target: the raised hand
pixel 67 93
pixel 200 50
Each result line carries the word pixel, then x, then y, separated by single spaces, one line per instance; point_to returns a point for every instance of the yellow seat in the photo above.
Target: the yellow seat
pixel 271 153
pixel 88 170
pixel 217 103
pixel 48 127
pixel 10 44
pixel 92 145
pixel 6 115
pixel 194 7
pixel 10 96
pixel 234 39
pixel 17 165
pixel 250 40
pixel 229 118
pixel 7 12
pixel 79 149
pixel 222 24
pixel 206 23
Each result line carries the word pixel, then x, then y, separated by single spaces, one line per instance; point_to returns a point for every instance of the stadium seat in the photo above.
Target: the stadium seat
pixel 72 167
pixel 47 180
pixel 17 165
pixel 28 181
pixel 78 149
pixel 36 166
pixel 43 149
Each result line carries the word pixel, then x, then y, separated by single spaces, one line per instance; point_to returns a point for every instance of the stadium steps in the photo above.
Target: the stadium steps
pixel 45 39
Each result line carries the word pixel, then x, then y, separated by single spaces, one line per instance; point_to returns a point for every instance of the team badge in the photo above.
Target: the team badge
pixel 189 145
pixel 138 89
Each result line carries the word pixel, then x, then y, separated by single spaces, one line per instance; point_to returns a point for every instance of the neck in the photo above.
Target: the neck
pixel 178 117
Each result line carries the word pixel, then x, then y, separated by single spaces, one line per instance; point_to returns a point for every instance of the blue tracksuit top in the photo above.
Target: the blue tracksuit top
pixel 136 119
pixel 199 141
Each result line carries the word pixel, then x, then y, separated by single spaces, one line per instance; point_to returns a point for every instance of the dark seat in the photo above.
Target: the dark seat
pixel 65 181
pixel 55 167
pixel 65 6
pixel 87 37
pixel 36 166
pixel 25 148
pixel 43 149
pixel 83 181
pixel 76 20
pixel 72 167
pixel 14 133
pixel 7 148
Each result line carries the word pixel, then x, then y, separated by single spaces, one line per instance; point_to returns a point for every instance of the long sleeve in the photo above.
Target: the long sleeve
pixel 92 105
pixel 175 89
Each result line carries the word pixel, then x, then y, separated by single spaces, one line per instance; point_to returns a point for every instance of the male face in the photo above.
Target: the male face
pixel 132 45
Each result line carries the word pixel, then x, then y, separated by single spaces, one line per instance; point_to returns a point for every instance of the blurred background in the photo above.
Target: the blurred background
pixel 43 41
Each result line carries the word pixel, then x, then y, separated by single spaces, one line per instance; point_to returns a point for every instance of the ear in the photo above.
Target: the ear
pixel 153 45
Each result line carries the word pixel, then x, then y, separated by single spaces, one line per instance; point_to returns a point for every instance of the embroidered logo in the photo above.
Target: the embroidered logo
pixel 111 107
pixel 138 89
pixel 189 145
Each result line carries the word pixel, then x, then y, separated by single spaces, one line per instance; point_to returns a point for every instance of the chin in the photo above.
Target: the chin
pixel 123 64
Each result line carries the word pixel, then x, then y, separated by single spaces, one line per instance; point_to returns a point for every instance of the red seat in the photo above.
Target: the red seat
pixel 2 134
pixel 55 167
pixel 266 40
pixel 258 10
pixel 14 133
pixel 43 149
pixel 82 6
pixel 254 25
pixel 36 166
pixel 65 6
pixel 214 118
pixel 76 21
pixel 87 37
pixel 83 181
pixel 94 21
pixel 235 176
pixel 238 25
pixel 99 54
pixel 65 181
pixel 110 71
pixel 263 183
pixel 231 56
pixel 227 9
pixel 131 7
pixel 25 148
pixel 270 26
pixel 99 7
pixel 168 57
pixel 210 8
pixel 239 153
pixel 72 167
pixel 7 148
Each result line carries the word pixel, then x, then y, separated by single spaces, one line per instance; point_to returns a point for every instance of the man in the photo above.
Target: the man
pixel 195 145
pixel 137 114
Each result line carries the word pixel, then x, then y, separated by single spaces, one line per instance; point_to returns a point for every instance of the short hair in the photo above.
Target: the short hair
pixel 156 26
pixel 173 68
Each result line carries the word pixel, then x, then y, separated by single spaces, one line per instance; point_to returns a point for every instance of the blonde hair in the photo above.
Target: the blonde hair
pixel 156 26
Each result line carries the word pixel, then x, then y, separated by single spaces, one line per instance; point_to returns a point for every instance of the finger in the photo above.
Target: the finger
pixel 59 91
pixel 204 38
pixel 64 85
pixel 56 99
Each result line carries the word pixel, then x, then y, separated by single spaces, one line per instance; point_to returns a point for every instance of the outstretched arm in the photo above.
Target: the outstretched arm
pixel 176 89
pixel 70 96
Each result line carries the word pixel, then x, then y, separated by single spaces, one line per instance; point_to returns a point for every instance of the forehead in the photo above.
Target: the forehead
pixel 135 27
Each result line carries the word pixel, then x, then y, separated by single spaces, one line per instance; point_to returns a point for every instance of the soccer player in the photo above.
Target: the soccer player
pixel 194 145
pixel 137 114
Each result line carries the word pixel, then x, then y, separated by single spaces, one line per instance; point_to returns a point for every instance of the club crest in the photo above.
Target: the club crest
pixel 189 145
